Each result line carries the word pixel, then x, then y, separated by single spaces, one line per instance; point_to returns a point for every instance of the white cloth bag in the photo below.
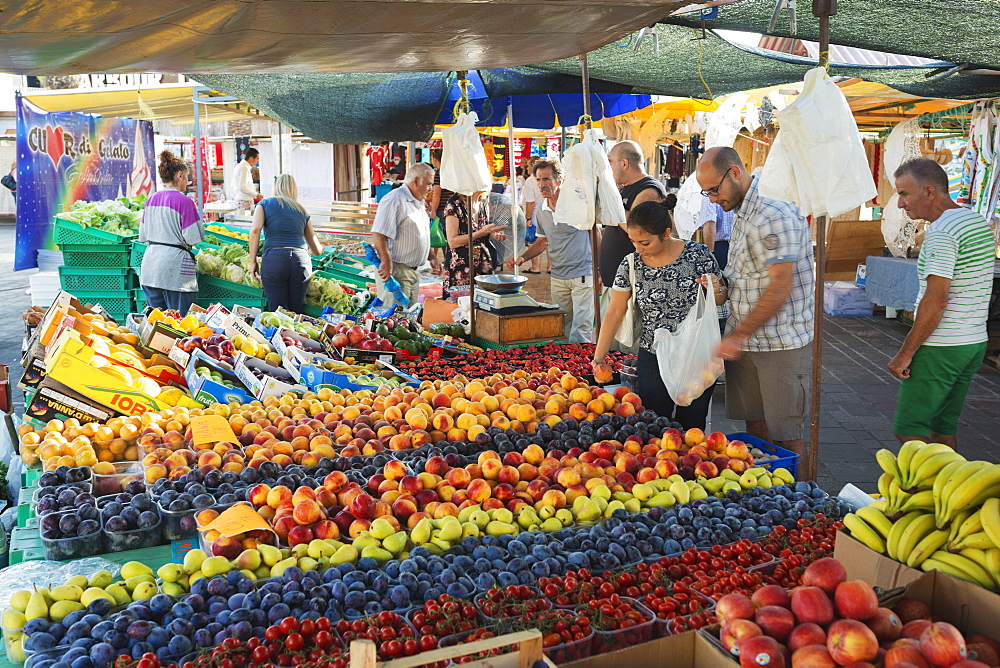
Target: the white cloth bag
pixel 628 330
pixel 687 361
pixel 463 161
pixel 818 161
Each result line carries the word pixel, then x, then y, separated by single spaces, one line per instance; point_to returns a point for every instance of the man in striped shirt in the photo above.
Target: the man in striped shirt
pixel 948 340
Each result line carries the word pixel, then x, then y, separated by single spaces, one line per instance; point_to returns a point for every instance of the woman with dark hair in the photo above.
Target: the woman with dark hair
pixel 170 226
pixel 668 273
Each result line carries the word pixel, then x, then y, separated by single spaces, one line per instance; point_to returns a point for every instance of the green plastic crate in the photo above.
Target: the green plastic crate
pixel 313 311
pixel 25 545
pixel 483 343
pixel 136 251
pixel 29 477
pixel 227 237
pixel 68 232
pixel 249 302
pixel 218 289
pixel 113 301
pixel 95 255
pixel 25 511
pixel 73 279
pixel 139 297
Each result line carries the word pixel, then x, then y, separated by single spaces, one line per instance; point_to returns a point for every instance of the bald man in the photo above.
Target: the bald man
pixel 767 347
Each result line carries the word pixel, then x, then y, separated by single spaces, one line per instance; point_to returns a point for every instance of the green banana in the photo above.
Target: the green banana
pixel 875 518
pixel 862 532
pixel 914 533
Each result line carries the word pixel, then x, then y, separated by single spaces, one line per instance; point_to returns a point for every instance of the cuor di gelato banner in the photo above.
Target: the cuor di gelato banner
pixel 65 157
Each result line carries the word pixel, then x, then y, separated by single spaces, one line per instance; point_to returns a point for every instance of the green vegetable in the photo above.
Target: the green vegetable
pixel 118 216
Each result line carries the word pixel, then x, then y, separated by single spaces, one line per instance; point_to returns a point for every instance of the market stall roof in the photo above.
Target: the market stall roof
pixel 47 37
pixel 958 31
pixel 169 102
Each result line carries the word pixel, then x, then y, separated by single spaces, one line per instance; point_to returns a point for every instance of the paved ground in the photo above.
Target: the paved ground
pixel 859 400
pixel 859 395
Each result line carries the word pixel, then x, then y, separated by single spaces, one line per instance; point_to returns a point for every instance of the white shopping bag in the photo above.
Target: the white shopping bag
pixel 688 365
pixel 463 162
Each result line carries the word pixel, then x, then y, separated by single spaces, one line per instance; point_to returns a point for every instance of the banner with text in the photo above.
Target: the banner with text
pixel 64 157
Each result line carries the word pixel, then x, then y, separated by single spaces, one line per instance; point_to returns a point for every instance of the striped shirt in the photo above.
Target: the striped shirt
pixel 959 246
pixel 765 232
pixel 170 217
pixel 403 219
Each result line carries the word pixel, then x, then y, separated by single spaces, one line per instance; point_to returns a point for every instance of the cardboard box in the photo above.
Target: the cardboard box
pixel 71 362
pixel 269 330
pixel 208 391
pixel 160 337
pixel 5 398
pixel 277 341
pixel 315 376
pixel 268 387
pixel 864 563
pixel 295 359
pixel 54 401
pixel 969 607
pixel 33 374
pixel 686 650
pixel 235 326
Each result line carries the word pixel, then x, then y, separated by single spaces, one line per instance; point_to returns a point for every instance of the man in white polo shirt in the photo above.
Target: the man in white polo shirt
pixel 402 234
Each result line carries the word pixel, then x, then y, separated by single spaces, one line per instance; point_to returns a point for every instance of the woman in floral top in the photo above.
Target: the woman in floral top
pixel 667 275
pixel 456 255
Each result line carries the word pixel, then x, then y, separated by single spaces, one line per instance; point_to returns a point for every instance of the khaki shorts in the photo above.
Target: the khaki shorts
pixel 408 278
pixel 772 387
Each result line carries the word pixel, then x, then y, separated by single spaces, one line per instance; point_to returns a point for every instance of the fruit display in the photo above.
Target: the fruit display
pixel 572 358
pixel 216 346
pixel 346 335
pixel 226 232
pixel 939 511
pixel 341 298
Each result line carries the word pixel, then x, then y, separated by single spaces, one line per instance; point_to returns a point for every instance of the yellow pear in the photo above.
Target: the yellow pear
pixel 270 555
pixel 19 600
pixel 170 572
pixel 193 560
pixel 60 609
pixel 66 593
pixel 134 568
pixel 145 591
pixel 37 607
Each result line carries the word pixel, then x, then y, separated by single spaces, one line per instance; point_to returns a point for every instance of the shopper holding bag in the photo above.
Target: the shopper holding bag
pixel 665 274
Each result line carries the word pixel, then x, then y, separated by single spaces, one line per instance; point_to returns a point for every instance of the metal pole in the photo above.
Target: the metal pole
pixel 822 9
pixel 281 157
pixel 197 158
pixel 594 239
pixel 469 224
pixel 513 178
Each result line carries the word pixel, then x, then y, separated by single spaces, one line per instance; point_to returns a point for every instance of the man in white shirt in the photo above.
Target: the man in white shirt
pixel 246 191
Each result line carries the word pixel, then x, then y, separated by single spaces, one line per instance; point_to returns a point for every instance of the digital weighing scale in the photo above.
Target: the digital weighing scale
pixel 517 301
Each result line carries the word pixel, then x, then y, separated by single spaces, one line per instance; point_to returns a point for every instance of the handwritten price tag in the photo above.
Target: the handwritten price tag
pixel 211 429
pixel 238 519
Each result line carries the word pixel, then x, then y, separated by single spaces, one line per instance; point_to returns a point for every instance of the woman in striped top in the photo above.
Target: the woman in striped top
pixel 171 226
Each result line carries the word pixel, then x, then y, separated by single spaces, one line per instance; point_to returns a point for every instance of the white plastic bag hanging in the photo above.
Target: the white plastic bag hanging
pixel 463 161
pixel 817 160
pixel 688 365
pixel 588 192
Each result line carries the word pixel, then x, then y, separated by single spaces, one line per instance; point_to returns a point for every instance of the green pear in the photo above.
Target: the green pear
pixel 729 474
pixel 551 524
pixel 437 546
pixel 101 579
pixel 588 511
pixel 334 543
pixel 377 553
pixel 348 554
pixel 263 572
pixel 19 600
pixel 134 582
pixel 37 608
pixel 748 480
pixel 633 506
pixel 642 491
pixel 480 517
pixel 662 500
pixel 80 581
pixel 248 560
pixel 170 572
pixel 564 515
pixel 451 531
pixel 133 568
pixel 279 568
pixel 301 550
pixel 365 539
pixel 621 496
pixel 497 528
pixel 503 515
pixel 16 652
pixel 465 514
pixel 216 566
pixel 601 492
pixel 145 591
pixel 92 594
pixel 308 564
pixel 546 512
pixel 380 529
pixel 733 485
pixel 193 560
pixel 421 533
pixel 119 594
pixel 66 593
pixel 602 503
pixel 60 609
pixel 470 529
pixel 612 507
pixel 12 619
pixel 319 548
pixel 764 482
pixel 173 589
pixel 322 564
pixel 526 518
pixel 397 542
pixel 269 555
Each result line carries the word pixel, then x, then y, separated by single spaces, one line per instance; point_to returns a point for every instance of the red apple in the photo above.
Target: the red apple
pixel 812 656
pixel 771 595
pixel 885 625
pixel 811 604
pixel 969 663
pixel 915 629
pixel 849 641
pixel 905 654
pixel 736 630
pixel 909 609
pixel 976 638
pixel 734 606
pixel 855 600
pixel 775 621
pixel 825 573
pixel 980 651
pixel 806 634
pixel 943 644
pixel 760 652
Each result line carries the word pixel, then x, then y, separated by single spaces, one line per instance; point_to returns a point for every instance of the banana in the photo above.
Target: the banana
pixel 887 460
pixel 927 546
pixel 924 476
pixel 861 531
pixel 978 556
pixel 993 563
pixel 932 564
pixel 974 490
pixel 922 501
pixel 944 475
pixel 878 505
pixel 965 523
pixel 944 500
pixel 898 527
pixel 975 572
pixel 875 518
pixel 978 541
pixel 883 484
pixel 989 516
pixel 914 533
pixel 904 460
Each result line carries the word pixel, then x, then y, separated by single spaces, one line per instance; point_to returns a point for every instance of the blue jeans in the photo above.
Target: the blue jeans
pixel 172 299
pixel 650 388
pixel 285 274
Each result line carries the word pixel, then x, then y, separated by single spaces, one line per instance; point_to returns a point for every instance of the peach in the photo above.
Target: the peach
pixel 257 495
pixel 277 495
pixel 665 468
pixel 394 469
pixel 567 477
pixel 307 511
pixel 554 498
pixel 302 494
pixel 479 490
pixel 491 468
pixel 509 475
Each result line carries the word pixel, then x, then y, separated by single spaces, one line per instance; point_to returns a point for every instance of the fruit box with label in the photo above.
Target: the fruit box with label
pixel 296 359
pixel 235 326
pixel 285 338
pixel 166 371
pixel 33 374
pixel 160 336
pixel 268 323
pixel 54 401
pixel 71 362
pixel 207 386
pixel 274 383
pixel 344 382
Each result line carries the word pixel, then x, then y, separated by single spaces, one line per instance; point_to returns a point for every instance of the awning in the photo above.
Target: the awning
pixel 235 36
pixel 170 102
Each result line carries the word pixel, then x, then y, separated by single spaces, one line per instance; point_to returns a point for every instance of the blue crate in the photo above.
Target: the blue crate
pixel 786 458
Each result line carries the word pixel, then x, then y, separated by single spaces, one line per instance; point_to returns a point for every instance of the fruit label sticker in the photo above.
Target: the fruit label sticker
pixel 237 325
pixel 238 519
pixel 211 429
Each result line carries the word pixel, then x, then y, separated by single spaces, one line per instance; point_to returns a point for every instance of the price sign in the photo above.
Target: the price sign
pixel 238 519
pixel 211 429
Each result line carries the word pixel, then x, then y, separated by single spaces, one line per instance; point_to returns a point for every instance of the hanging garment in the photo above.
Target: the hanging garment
pixel 675 161
pixel 817 160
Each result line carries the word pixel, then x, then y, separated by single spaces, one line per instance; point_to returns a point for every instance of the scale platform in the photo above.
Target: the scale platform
pixel 506 303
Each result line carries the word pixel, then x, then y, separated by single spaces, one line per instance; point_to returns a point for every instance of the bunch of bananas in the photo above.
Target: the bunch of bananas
pixel 938 512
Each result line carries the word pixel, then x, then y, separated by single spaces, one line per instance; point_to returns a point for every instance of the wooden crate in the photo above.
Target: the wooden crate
pixel 529 651
pixel 543 325
pixel 849 242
